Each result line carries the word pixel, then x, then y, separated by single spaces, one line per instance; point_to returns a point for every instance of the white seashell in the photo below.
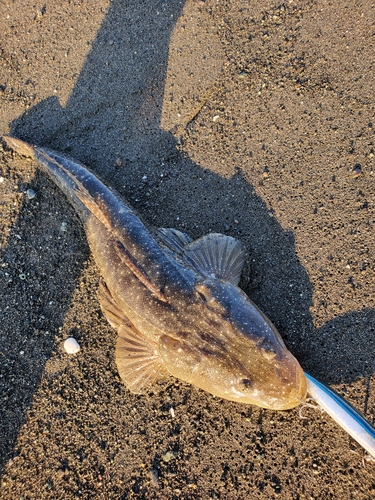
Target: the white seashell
pixel 71 345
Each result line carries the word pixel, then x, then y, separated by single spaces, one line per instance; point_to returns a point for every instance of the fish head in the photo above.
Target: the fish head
pixel 233 351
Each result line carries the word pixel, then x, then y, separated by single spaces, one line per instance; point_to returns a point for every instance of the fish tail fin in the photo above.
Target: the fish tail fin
pixel 62 170
pixel 21 147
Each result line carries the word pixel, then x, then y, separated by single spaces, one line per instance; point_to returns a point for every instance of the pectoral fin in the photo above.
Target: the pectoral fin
pixel 174 239
pixel 137 357
pixel 216 256
pixel 111 310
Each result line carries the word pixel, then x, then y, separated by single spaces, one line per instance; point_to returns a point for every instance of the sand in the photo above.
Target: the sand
pixel 254 119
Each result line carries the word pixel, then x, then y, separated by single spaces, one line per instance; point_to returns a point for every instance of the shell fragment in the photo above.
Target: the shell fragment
pixel 71 346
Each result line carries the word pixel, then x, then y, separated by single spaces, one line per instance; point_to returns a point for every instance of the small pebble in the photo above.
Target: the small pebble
pixel 168 456
pixel 63 226
pixel 30 193
pixel 171 411
pixel 357 170
pixel 154 476
pixel 1 179
pixel 71 345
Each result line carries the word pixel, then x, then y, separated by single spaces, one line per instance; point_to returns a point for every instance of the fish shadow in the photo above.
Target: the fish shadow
pixel 112 123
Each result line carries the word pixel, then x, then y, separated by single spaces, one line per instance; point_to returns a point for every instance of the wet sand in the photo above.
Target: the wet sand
pixel 251 119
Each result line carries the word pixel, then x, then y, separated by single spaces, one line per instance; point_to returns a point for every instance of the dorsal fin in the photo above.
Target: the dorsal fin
pixel 92 205
pixel 216 256
pixel 137 358
pixel 95 208
pixel 138 271
pixel 174 239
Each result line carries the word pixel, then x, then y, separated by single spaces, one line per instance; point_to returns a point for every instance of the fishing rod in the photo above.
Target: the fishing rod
pixel 343 413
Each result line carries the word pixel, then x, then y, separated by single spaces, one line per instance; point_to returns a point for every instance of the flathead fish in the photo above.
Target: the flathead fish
pixel 175 302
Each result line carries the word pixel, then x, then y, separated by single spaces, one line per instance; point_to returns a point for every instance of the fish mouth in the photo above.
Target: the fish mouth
pixel 302 386
pixel 295 397
pixel 300 394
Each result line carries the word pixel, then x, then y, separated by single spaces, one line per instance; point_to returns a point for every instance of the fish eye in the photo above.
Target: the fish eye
pixel 207 297
pixel 246 384
pixel 202 297
pixel 203 292
pixel 268 350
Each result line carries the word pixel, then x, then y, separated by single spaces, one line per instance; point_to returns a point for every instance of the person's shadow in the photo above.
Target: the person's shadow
pixel 112 123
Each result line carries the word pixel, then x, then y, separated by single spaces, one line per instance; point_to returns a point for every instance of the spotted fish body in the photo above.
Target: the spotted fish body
pixel 175 302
